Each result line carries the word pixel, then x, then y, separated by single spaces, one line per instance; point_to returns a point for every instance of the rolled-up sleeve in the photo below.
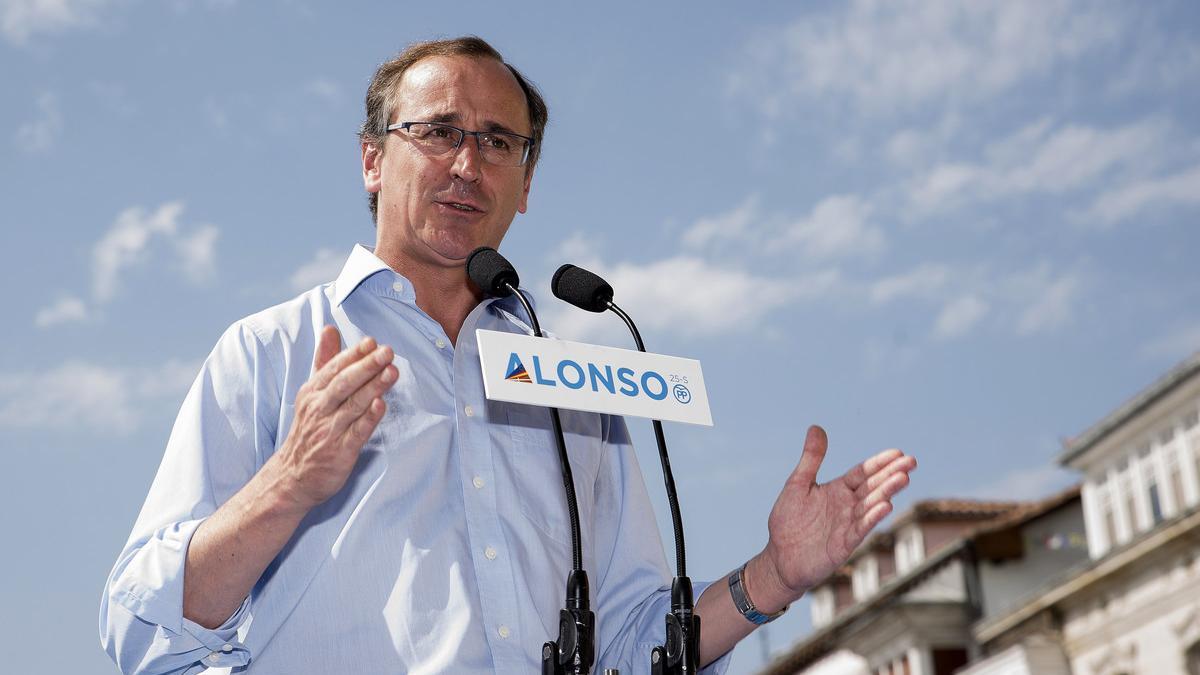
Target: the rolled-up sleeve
pixel 224 431
pixel 634 596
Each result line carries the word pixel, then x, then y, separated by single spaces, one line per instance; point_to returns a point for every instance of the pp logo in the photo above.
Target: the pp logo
pixel 681 393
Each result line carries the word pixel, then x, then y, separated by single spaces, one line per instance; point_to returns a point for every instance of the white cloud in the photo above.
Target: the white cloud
pixel 1040 158
pixel 958 316
pixel 68 308
pixel 838 226
pixel 22 19
pixel 129 242
pixel 876 56
pixel 197 253
pixel 1051 301
pixel 689 296
pixel 86 398
pixel 39 135
pixel 323 268
pixel 1137 196
pixel 1075 155
pixel 922 282
pixel 733 224
pixel 125 244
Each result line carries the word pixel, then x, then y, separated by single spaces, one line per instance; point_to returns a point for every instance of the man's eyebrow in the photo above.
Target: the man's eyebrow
pixel 456 119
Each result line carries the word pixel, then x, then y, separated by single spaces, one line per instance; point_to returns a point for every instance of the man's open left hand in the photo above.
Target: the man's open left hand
pixel 813 528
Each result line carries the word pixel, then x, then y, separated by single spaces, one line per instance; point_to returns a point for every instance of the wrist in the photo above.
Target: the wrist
pixel 765 586
pixel 282 488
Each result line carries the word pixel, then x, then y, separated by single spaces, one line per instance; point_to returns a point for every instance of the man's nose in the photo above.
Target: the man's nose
pixel 467 160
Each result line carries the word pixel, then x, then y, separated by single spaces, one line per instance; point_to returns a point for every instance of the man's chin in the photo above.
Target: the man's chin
pixel 451 252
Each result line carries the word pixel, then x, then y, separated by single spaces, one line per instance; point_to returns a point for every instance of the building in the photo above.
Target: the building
pixel 906 600
pixel 1134 606
pixel 1103 579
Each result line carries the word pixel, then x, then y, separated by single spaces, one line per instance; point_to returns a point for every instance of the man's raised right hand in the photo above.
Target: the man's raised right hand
pixel 335 413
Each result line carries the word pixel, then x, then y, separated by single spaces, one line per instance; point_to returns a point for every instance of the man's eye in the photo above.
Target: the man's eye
pixel 441 132
pixel 498 142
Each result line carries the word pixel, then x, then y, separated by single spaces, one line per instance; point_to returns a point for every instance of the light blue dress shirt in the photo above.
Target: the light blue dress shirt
pixel 447 550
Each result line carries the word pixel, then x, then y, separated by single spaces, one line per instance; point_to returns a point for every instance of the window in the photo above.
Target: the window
pixel 866 576
pixel 1166 436
pixel 910 549
pixel 1108 515
pixel 822 606
pixel 1130 498
pixel 1150 480
pixel 1156 512
pixel 1192 658
pixel 1175 477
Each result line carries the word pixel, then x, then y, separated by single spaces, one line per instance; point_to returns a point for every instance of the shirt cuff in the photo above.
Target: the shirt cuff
pixel 151 588
pixel 224 649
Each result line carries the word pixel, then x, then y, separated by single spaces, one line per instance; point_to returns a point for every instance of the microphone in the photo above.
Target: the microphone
pixel 581 288
pixel 681 654
pixel 574 651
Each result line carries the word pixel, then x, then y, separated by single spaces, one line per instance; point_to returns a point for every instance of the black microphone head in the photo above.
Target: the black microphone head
pixel 581 288
pixel 492 272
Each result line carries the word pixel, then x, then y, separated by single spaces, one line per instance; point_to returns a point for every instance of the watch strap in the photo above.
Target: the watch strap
pixel 737 589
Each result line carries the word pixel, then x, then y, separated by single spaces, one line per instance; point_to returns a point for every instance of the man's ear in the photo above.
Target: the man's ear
pixel 524 203
pixel 372 160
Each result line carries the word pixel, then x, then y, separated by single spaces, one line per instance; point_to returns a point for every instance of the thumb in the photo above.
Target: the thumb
pixel 815 445
pixel 329 345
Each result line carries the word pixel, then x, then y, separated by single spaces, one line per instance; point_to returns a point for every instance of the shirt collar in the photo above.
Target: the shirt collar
pixel 361 264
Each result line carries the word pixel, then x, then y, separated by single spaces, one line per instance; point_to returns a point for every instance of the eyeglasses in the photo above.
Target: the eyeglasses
pixel 496 147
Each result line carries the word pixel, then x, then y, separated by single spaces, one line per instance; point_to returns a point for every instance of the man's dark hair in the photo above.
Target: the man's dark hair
pixel 381 93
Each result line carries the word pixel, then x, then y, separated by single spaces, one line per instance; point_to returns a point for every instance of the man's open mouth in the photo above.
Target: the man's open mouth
pixel 460 206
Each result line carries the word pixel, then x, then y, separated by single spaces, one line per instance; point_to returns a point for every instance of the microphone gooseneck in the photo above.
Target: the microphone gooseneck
pixel 586 290
pixel 681 653
pixel 574 650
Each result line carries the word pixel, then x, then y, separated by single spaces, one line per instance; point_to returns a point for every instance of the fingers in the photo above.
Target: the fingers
pixel 358 403
pixel 327 347
pixel 899 463
pixel 815 445
pixel 364 425
pixel 872 518
pixel 882 494
pixel 322 377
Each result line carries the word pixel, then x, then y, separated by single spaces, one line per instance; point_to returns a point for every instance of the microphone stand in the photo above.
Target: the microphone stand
pixel 681 653
pixel 574 652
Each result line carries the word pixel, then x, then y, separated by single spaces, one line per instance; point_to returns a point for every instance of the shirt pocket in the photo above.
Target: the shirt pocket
pixel 537 470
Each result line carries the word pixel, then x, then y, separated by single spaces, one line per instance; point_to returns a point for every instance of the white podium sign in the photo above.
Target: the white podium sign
pixel 580 376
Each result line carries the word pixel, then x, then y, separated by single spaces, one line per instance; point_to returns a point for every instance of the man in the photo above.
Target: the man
pixel 367 510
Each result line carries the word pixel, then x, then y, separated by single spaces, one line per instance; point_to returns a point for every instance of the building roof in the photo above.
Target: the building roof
pixel 1080 577
pixel 823 640
pixel 1074 447
pixel 955 509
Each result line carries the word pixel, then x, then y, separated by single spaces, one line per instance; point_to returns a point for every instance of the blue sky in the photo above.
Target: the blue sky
pixel 968 230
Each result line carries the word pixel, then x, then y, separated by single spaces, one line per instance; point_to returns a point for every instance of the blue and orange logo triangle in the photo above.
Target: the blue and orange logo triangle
pixel 516 370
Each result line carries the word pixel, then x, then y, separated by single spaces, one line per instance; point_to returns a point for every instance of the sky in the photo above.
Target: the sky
pixel 967 230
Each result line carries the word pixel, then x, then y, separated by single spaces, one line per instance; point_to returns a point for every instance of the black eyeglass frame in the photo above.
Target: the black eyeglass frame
pixel 463 133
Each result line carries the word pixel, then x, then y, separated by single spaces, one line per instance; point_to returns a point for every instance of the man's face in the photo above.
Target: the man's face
pixel 434 210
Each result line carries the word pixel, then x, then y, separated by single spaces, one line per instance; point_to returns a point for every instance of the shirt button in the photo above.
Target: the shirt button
pixel 226 648
pixel 398 286
pixel 469 411
pixel 489 553
pixel 477 482
pixel 503 631
pixel 441 344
